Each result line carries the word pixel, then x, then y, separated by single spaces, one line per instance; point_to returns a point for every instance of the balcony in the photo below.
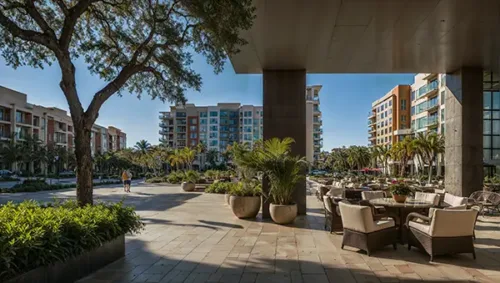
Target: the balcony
pixel 428 90
pixel 317 121
pixel 430 76
pixel 372 137
pixel 433 108
pixel 372 130
pixel 371 115
pixel 403 132
pixel 165 115
pixel 318 130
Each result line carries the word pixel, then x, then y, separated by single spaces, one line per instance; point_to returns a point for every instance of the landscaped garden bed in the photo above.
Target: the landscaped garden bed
pixel 37 185
pixel 61 242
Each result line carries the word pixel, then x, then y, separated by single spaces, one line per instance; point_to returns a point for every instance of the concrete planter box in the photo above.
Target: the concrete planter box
pixel 75 268
pixel 283 214
pixel 244 207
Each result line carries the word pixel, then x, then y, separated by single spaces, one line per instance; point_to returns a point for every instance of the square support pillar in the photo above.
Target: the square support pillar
pixel 285 116
pixel 464 131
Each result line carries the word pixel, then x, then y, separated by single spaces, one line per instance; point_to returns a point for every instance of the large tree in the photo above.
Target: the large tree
pixel 143 46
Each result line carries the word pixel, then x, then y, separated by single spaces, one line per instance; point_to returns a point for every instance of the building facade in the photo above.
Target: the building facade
pixel 389 119
pixel 428 96
pixel 225 123
pixel 51 125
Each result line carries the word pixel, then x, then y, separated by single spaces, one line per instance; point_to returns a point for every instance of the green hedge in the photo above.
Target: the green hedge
pixel 38 185
pixel 177 177
pixel 220 187
pixel 8 179
pixel 32 235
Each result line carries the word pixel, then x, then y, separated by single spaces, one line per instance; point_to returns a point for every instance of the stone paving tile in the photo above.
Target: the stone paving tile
pixel 193 237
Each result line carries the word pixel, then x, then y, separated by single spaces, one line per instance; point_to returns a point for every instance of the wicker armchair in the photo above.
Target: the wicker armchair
pixel 429 197
pixel 363 232
pixel 439 234
pixel 488 200
pixel 368 195
pixel 333 219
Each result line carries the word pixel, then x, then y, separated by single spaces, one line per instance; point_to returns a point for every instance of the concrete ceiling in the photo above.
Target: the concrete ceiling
pixel 372 36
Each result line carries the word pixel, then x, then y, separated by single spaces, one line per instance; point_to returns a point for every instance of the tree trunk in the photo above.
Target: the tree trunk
pixel 430 171
pixel 83 165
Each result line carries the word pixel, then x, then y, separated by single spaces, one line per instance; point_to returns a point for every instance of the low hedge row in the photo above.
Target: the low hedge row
pixel 34 235
pixel 36 186
pixel 220 187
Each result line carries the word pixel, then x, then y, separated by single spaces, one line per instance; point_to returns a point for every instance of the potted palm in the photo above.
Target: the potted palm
pixel 282 170
pixel 190 178
pixel 399 191
pixel 244 199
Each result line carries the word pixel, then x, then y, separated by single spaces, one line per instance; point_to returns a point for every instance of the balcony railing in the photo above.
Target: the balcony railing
pixel 427 89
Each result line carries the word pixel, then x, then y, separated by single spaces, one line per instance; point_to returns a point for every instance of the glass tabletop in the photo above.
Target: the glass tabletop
pixel 408 203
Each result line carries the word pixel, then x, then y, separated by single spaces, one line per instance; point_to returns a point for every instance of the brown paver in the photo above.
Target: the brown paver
pixel 194 237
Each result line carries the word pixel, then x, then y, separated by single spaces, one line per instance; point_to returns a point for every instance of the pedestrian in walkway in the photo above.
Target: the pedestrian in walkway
pixel 127 180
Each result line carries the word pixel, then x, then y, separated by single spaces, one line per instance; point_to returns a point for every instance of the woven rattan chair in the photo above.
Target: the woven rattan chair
pixel 363 232
pixel 333 220
pixel 440 234
pixel 428 197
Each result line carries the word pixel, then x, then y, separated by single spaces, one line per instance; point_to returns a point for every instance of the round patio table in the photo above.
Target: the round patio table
pixel 401 210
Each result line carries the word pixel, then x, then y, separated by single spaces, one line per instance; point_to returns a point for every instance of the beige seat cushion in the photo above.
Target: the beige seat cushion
pixel 368 195
pixel 453 200
pixel 427 197
pixel 458 207
pixel 360 218
pixel 420 226
pixel 453 223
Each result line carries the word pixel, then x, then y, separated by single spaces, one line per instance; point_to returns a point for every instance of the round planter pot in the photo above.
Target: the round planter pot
pixel 283 214
pixel 399 198
pixel 244 207
pixel 188 186
pixel 226 198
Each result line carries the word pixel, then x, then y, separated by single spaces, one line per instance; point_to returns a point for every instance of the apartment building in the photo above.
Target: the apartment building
pixel 51 125
pixel 427 100
pixel 390 120
pixel 225 123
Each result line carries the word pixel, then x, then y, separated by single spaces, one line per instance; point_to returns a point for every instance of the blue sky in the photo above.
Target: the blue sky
pixel 345 99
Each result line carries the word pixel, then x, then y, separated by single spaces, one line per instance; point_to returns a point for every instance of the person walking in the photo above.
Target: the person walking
pixel 127 180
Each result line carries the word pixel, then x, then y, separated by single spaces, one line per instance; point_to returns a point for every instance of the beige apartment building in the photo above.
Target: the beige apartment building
pixel 51 125
pixel 220 125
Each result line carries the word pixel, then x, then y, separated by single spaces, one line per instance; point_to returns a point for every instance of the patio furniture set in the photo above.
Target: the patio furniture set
pixel 370 220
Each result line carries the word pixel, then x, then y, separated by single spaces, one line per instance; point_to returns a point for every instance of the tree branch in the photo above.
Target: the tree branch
pixel 70 21
pixel 62 6
pixel 28 35
pixel 40 21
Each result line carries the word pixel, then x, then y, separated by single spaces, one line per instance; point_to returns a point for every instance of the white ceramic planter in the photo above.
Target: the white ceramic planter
pixel 188 186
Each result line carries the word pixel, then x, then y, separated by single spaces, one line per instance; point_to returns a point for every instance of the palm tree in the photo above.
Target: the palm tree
pixel 201 149
pixel 429 145
pixel 212 155
pixel 11 153
pixel 143 146
pixel 176 158
pixel 188 155
pixel 403 151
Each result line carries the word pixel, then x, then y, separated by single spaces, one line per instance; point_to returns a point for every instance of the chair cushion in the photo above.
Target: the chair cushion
pixel 360 218
pixel 453 223
pixel 458 207
pixel 368 195
pixel 454 200
pixel 428 197
pixel 421 226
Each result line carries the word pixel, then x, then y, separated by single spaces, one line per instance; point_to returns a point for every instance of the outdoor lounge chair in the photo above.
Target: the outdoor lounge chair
pixel 428 197
pixel 452 200
pixel 488 200
pixel 368 195
pixel 333 219
pixel 440 234
pixel 363 232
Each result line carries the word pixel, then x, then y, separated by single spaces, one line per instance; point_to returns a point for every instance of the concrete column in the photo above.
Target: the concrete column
pixel 464 131
pixel 285 116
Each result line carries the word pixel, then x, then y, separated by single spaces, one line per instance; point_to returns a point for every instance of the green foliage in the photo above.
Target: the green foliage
pixel 177 177
pixel 245 190
pixel 32 235
pixel 40 185
pixel 274 160
pixel 400 188
pixel 218 174
pixel 153 180
pixel 219 187
pixel 8 179
pixel 191 176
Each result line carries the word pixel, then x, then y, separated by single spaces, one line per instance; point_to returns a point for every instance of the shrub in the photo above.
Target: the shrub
pixel 8 179
pixel 154 180
pixel 36 186
pixel 245 190
pixel 175 177
pixel 219 188
pixel 191 176
pixel 34 181
pixel 32 235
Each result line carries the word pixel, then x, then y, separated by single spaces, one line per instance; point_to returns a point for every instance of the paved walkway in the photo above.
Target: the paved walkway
pixel 193 237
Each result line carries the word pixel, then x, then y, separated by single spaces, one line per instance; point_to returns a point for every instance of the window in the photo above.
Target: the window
pixel 203 129
pixel 403 118
pixel 403 104
pixel 203 114
pixel 390 102
pixel 203 121
pixel 214 128
pixel 214 121
pixel 193 121
pixel 193 135
pixel 213 135
pixel 412 95
pixel 193 128
pixel 214 143
pixel 413 110
pixel 214 113
pixel 442 96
